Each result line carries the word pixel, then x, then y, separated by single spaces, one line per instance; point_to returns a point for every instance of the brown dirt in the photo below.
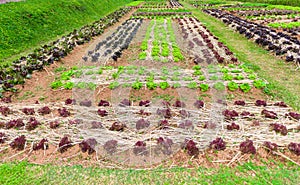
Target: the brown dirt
pixel 212 159
pixel 252 95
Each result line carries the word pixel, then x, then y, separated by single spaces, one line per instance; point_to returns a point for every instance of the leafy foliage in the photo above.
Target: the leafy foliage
pixel 137 85
pixel 103 103
pixel 232 86
pixel 279 128
pixel 164 85
pixel 269 114
pixel 218 144
pixel 18 143
pixel 44 110
pixel 151 85
pixel 295 148
pixel 88 145
pixel 233 126
pixel 247 147
pixel 259 84
pixel 219 86
pixel 43 144
pixel 204 87
pixel 64 144
pixel 63 112
pixel 32 124
pixel 240 102
pixel 270 146
pixel 245 87
pixel 191 148
pixel 199 104
pixel 117 126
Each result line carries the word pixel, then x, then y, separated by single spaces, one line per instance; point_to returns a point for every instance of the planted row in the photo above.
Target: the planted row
pixel 113 45
pixel 206 48
pixel 163 144
pixel 278 42
pixel 162 46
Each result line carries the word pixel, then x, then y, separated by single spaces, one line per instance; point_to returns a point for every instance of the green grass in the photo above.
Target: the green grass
pixel 248 173
pixel 284 81
pixel 29 24
pixel 134 3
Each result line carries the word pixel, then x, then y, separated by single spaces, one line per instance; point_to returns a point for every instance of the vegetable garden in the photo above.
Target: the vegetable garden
pixel 149 83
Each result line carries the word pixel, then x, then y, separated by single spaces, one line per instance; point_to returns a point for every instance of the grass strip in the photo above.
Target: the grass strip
pixel 248 173
pixel 28 24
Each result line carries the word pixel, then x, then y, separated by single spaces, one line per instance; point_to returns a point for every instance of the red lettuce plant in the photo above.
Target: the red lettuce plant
pixel 218 144
pixel 43 144
pixel 44 110
pixel 117 126
pixel 240 102
pixel 64 144
pixel 103 103
pixel 230 114
pixel 18 143
pixel 102 113
pixel 28 111
pixel 88 145
pixel 4 110
pixel 64 112
pixel 247 147
pixel 269 114
pixel 140 148
pixel 96 124
pixel 54 124
pixel 261 103
pixel 270 146
pixel 278 128
pixel 166 113
pixel 233 126
pixel 2 137
pixel 145 103
pixel 191 148
pixel 294 147
pixel 32 124
pixel 199 104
